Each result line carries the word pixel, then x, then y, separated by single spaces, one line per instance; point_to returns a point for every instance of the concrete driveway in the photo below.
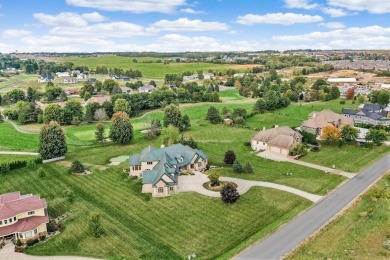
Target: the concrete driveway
pixel 7 253
pixel 282 158
pixel 195 183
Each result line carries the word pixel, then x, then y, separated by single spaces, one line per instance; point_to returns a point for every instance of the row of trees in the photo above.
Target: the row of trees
pixel 331 135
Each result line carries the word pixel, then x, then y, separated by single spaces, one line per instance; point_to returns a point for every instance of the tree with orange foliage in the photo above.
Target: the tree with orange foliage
pixel 350 93
pixel 330 135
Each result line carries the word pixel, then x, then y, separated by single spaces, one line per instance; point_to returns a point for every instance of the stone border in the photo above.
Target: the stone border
pixel 54 159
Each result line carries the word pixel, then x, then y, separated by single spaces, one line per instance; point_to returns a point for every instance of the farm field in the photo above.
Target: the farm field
pixel 136 227
pixel 150 70
pixel 354 235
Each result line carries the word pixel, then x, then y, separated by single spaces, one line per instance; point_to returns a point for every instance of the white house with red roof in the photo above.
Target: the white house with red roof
pixel 22 217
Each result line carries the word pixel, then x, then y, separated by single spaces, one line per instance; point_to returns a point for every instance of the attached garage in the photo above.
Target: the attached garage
pixel 280 150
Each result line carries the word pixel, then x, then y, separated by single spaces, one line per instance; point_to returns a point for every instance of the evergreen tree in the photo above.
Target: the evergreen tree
pixel 237 167
pixel 185 123
pixel 121 130
pixel 52 141
pixel 172 116
pixel 260 106
pixel 248 167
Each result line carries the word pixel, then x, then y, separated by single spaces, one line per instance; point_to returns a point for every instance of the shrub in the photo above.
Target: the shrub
pixel 42 238
pixel 342 102
pixel 41 173
pixel 19 243
pixel 77 167
pixel 95 226
pixel 229 194
pixel 214 178
pixel 230 157
pixel 237 167
pixel 32 242
pixel 248 168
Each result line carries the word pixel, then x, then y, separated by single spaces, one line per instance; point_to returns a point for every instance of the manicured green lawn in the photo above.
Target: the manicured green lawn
pixel 350 158
pixel 150 70
pixel 12 140
pixel 230 94
pixel 5 158
pixel 295 114
pixel 164 228
pixel 352 236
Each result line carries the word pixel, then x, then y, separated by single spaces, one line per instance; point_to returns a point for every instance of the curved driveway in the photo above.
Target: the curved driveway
pixel 195 183
pixel 286 239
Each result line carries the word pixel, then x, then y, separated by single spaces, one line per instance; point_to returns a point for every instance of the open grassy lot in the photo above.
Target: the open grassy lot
pixel 296 113
pixel 353 236
pixel 21 81
pixel 166 228
pixel 5 158
pixel 12 140
pixel 150 70
pixel 350 158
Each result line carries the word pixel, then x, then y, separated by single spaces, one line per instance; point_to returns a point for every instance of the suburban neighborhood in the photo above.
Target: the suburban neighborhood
pixel 194 130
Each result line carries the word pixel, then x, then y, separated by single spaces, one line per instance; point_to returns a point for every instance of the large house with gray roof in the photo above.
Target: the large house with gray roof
pixel 374 114
pixel 160 168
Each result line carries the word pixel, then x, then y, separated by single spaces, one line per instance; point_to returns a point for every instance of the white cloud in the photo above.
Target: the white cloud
pixel 133 6
pixel 372 6
pixel 278 18
pixel 93 17
pixel 12 33
pixel 334 12
pixel 333 25
pixel 101 30
pixel 184 24
pixel 191 11
pixel 68 19
pixel 302 4
pixel 372 37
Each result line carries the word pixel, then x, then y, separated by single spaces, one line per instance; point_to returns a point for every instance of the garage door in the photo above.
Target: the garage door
pixel 274 149
pixel 285 151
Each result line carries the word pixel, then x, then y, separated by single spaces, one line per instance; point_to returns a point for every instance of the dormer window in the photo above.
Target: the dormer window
pixel 31 213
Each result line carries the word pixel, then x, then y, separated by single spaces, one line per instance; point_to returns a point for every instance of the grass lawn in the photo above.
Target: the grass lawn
pixel 350 158
pixel 151 70
pixel 352 236
pixel 295 114
pixel 164 228
pixel 12 140
pixel 21 81
pixel 5 158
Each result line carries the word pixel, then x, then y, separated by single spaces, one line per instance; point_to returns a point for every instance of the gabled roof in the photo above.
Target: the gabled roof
pixel 326 118
pixel 12 204
pixel 169 159
pixel 282 136
pixel 146 88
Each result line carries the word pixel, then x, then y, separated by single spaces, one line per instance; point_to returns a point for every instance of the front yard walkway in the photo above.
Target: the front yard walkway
pixel 7 253
pixel 195 183
pixel 281 158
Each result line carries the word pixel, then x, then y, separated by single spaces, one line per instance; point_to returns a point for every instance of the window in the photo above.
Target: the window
pixel 1 222
pixel 200 164
pixel 149 163
pixel 28 234
pixel 31 213
pixel 160 189
pixel 10 220
pixel 35 231
pixel 171 188
pixel 5 221
pixel 14 218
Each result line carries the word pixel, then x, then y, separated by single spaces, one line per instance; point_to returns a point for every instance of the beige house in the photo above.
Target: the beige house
pixel 160 168
pixel 318 120
pixel 278 139
pixel 22 217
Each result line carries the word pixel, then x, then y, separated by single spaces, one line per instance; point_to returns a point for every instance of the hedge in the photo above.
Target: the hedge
pixel 18 164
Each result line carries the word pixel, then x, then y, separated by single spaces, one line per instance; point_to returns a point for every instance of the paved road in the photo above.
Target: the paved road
pixel 291 235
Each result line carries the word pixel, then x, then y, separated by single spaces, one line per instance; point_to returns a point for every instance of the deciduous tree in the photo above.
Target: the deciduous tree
pixel 376 136
pixel 349 133
pixel 330 135
pixel 213 115
pixel 230 157
pixel 229 194
pixel 53 112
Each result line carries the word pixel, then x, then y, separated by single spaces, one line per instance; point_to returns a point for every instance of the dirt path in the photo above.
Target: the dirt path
pixel 18 129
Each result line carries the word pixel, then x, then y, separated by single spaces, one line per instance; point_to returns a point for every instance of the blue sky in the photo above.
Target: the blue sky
pixel 185 25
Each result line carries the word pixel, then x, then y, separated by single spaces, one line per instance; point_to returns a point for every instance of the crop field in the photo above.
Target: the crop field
pixel 150 70
pixel 357 234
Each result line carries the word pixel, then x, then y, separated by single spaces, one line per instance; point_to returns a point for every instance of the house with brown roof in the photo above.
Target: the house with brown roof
pixel 22 217
pixel 318 120
pixel 99 100
pixel 278 139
